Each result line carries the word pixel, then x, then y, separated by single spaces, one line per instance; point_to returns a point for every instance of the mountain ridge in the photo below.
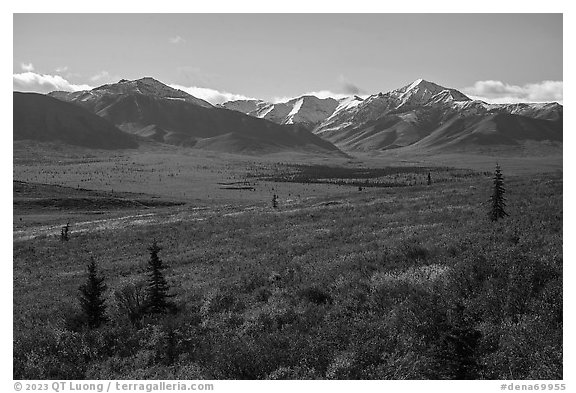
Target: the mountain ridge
pixel 406 116
pixel 151 109
pixel 307 110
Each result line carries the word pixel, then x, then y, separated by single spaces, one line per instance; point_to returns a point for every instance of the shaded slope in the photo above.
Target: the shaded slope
pixel 42 118
pixel 494 129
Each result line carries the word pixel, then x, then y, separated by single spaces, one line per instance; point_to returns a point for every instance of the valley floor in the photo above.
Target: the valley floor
pixel 363 271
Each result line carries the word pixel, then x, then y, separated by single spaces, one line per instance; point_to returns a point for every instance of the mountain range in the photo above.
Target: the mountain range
pixel 307 110
pixel 420 115
pixel 150 109
pixel 424 115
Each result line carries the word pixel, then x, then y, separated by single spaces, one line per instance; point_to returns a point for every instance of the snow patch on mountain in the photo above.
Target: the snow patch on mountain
pixel 264 111
pixel 306 110
pixel 295 109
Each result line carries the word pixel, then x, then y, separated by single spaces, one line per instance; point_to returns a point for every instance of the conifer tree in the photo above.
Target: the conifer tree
pixel 64 233
pixel 157 291
pixel 92 297
pixel 429 182
pixel 275 201
pixel 497 200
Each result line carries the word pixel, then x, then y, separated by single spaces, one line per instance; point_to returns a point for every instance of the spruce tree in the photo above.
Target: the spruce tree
pixel 157 291
pixel 497 200
pixel 92 297
pixel 64 233
pixel 429 182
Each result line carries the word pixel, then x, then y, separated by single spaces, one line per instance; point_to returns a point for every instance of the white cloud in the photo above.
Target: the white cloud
pixel 99 76
pixel 27 67
pixel 43 83
pixel 212 96
pixel 497 92
pixel 176 40
pixel 62 69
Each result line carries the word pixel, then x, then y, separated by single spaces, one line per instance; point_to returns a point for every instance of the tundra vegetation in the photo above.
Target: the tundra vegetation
pixel 408 279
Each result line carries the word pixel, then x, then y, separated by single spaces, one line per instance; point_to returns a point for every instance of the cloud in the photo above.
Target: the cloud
pixel 99 76
pixel 348 87
pixel 498 92
pixel 351 89
pixel 176 40
pixel 43 83
pixel 27 67
pixel 62 69
pixel 212 96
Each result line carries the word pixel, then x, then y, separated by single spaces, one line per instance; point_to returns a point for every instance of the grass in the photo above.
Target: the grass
pixel 410 282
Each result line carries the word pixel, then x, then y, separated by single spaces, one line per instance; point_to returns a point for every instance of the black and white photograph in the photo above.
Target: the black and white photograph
pixel 287 196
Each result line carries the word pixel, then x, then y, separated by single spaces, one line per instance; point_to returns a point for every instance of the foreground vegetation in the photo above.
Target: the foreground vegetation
pixel 398 283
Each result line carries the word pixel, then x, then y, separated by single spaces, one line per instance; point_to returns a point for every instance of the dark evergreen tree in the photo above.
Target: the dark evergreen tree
pixel 64 233
pixel 275 201
pixel 157 291
pixel 92 297
pixel 497 200
pixel 429 179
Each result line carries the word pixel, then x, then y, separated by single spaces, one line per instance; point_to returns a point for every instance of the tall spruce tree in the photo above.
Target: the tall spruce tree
pixel 92 297
pixel 497 200
pixel 157 291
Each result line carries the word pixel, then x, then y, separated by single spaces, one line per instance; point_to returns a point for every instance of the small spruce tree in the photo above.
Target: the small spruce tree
pixel 92 297
pixel 275 201
pixel 429 179
pixel 64 233
pixel 157 291
pixel 497 200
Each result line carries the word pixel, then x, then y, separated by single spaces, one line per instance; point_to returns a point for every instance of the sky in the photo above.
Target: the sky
pixel 274 57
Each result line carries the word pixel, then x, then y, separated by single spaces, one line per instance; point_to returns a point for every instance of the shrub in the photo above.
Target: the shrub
pixel 315 295
pixel 130 300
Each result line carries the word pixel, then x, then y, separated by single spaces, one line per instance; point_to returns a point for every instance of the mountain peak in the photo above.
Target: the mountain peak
pixel 151 87
pixel 149 81
pixel 422 91
pixel 417 82
pixel 423 84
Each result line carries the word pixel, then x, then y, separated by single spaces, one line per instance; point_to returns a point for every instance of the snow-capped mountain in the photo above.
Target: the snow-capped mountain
pixel 421 114
pixel 147 86
pixel 546 110
pixel 151 109
pixel 421 92
pixel 308 111
pixel 405 116
pixel 249 107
